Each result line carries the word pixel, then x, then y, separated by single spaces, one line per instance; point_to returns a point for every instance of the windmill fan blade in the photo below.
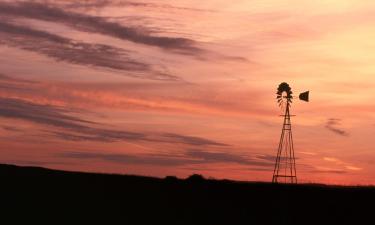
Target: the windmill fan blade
pixel 304 96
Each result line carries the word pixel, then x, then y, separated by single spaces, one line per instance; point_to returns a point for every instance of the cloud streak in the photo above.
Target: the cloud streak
pixel 99 25
pixel 128 159
pixel 76 129
pixel 332 124
pixel 75 52
pixel 130 96
pixel 190 140
pixel 41 114
pixel 113 3
pixel 108 135
pixel 190 157
pixel 223 157
pixel 331 171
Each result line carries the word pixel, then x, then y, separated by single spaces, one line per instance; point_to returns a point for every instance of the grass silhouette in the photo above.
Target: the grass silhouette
pixel 42 195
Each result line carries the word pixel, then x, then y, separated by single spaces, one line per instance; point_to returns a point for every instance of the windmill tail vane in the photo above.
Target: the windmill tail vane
pixel 285 165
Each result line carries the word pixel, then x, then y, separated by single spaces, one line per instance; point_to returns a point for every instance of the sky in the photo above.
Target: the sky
pixel 173 87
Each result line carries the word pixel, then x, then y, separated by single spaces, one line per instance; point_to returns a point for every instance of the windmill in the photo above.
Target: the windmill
pixel 285 165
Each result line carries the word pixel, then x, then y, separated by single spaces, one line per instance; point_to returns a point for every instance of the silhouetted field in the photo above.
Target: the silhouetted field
pixel 58 197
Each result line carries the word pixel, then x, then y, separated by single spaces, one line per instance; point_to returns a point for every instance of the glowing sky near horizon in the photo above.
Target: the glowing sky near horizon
pixel 168 87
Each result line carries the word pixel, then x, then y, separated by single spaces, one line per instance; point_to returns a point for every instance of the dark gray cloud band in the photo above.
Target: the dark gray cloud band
pixel 73 128
pixel 129 159
pixel 190 139
pixel 41 114
pixel 190 157
pixel 217 157
pixel 76 52
pixel 94 24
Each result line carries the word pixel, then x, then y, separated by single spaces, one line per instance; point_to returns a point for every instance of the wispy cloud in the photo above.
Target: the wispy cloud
pixel 10 128
pixel 190 140
pixel 353 168
pixel 87 23
pixel 15 85
pixel 123 3
pixel 142 95
pixel 332 125
pixel 129 159
pixel 37 163
pixel 223 157
pixel 76 52
pixel 333 171
pixel 190 157
pixel 99 135
pixel 109 135
pixel 342 164
pixel 41 114
pixel 5 78
pixel 77 129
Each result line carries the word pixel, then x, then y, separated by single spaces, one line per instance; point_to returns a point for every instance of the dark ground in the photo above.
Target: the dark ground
pixel 56 197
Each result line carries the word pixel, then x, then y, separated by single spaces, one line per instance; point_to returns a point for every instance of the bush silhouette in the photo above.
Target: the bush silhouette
pixel 195 178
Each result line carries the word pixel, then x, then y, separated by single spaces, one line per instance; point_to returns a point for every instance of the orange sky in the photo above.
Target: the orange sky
pixel 179 87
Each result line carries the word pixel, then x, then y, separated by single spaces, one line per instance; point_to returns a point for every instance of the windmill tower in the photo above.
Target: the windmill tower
pixel 285 165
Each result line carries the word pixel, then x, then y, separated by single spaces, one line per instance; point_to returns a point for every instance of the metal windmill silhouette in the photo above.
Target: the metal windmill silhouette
pixel 285 165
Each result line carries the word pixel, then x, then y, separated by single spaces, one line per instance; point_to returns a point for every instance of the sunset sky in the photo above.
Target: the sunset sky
pixel 173 87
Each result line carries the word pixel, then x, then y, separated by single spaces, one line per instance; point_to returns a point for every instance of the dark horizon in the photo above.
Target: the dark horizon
pixel 164 87
pixel 70 196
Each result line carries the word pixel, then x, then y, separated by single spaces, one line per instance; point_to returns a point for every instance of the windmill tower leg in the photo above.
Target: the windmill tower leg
pixel 285 165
